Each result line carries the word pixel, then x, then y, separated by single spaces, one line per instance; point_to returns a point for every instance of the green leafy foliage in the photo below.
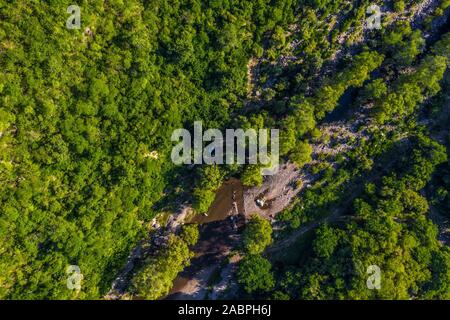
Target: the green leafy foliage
pixel 403 44
pixel 204 193
pixel 155 279
pixel 257 235
pixel 302 154
pixel 325 242
pixel 86 118
pixel 252 176
pixel 390 230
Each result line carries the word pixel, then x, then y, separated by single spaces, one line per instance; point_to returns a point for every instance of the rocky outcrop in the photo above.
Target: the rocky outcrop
pixel 276 193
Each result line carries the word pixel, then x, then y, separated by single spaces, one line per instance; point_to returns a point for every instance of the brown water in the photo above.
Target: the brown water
pixel 219 234
pixel 222 207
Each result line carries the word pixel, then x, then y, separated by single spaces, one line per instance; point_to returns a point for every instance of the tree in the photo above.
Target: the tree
pixel 190 234
pixel 210 177
pixel 252 176
pixel 204 193
pixel 257 235
pixel 325 242
pixel 389 219
pixel 327 96
pixel 403 44
pixel 302 154
pixel 203 200
pixel 155 279
pixel 399 6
